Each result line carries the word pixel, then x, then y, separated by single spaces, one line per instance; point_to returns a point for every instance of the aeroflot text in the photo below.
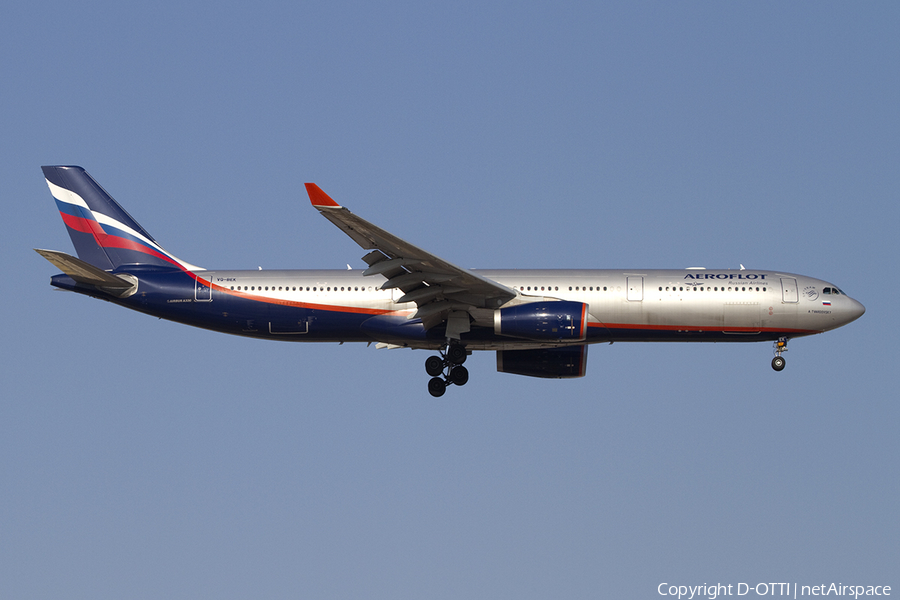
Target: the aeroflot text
pixel 752 276
pixel 771 589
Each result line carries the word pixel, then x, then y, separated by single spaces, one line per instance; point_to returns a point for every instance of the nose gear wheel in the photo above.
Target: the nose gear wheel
pixel 780 346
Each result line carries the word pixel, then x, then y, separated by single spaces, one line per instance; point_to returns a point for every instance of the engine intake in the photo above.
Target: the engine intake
pixel 550 320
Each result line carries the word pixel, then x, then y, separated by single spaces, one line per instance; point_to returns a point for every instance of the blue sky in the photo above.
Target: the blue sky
pixel 144 459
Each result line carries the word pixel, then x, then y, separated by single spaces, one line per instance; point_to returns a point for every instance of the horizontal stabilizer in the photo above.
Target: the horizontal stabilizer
pixel 83 272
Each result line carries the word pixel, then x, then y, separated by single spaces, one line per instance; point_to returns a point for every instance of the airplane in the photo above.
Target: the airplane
pixel 539 322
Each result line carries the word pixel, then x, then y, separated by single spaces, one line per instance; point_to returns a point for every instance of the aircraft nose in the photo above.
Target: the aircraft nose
pixel 855 310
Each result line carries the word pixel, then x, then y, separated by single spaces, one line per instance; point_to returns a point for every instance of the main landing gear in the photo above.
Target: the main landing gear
pixel 780 346
pixel 447 369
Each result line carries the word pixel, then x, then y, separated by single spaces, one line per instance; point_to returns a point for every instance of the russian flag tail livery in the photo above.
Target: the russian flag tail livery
pixel 104 235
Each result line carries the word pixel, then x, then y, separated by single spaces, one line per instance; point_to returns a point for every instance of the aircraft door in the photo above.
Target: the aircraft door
pixel 635 287
pixel 202 290
pixel 789 290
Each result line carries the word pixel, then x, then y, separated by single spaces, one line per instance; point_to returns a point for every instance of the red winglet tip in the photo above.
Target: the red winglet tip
pixel 318 197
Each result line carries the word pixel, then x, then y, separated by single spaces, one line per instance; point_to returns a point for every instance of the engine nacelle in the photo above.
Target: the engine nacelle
pixel 550 363
pixel 549 320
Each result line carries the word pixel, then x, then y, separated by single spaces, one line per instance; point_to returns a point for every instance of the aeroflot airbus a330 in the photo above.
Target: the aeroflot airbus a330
pixel 539 322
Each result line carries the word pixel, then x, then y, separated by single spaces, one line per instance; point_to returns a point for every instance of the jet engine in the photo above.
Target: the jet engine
pixel 549 320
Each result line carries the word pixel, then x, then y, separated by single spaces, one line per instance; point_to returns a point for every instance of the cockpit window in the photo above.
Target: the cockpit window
pixel 826 291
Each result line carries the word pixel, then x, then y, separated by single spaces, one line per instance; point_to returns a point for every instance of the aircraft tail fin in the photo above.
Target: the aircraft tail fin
pixel 104 235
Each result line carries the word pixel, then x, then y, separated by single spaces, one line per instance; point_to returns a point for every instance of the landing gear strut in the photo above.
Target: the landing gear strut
pixel 780 346
pixel 447 369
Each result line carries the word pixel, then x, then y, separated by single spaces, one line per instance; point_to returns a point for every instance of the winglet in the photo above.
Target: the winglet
pixel 318 197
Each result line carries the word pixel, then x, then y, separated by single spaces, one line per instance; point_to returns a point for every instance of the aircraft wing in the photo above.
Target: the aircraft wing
pixel 441 290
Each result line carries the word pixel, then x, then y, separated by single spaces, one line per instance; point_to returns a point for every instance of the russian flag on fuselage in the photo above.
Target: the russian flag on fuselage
pixel 102 232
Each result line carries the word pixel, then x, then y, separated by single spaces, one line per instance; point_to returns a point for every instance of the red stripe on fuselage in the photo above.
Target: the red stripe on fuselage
pixel 294 303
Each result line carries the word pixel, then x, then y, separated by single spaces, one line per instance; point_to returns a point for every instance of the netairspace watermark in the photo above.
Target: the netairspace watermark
pixel 713 591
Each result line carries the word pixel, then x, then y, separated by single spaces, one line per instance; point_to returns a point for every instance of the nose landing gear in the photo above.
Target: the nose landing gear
pixel 780 346
pixel 447 369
